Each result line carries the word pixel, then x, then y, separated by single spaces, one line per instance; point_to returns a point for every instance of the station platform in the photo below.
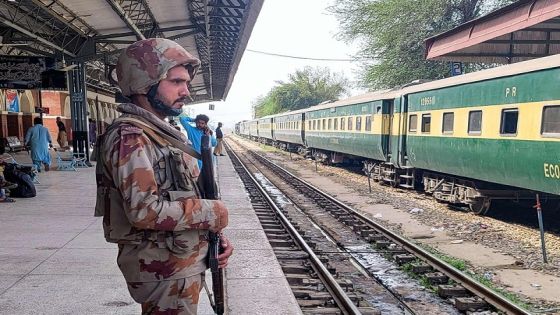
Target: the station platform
pixel 54 259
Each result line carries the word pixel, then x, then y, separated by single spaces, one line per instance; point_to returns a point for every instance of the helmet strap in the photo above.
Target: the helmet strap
pixel 158 105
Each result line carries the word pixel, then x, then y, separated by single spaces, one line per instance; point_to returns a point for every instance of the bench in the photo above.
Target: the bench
pixel 14 145
pixel 65 163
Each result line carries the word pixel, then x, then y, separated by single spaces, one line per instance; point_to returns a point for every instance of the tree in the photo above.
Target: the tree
pixel 392 34
pixel 303 89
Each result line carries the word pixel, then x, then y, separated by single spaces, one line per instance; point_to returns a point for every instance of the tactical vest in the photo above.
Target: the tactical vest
pixel 110 204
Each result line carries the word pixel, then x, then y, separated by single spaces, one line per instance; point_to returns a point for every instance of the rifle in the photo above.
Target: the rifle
pixel 209 190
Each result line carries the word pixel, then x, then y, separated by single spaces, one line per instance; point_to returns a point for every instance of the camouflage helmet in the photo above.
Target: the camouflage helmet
pixel 146 62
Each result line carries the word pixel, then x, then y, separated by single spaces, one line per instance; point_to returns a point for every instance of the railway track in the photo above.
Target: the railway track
pixel 348 238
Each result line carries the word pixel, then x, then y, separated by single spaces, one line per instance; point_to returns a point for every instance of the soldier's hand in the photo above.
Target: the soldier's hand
pixel 221 213
pixel 228 250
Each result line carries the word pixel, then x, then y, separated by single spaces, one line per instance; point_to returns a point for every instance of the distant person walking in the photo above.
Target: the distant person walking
pixel 92 132
pixel 62 137
pixel 219 138
pixel 39 139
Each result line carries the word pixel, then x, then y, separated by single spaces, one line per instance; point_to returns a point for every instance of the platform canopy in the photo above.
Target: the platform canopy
pixel 521 31
pixel 95 31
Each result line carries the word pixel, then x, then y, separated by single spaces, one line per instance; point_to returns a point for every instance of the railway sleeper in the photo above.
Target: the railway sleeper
pixel 435 278
pixel 402 259
pixel 452 291
pixel 275 231
pixel 464 304
pixel 279 237
pixel 421 268
pixel 373 238
pixel 382 244
pixel 275 226
pixel 365 233
pixel 292 268
pixel 301 279
pixel 281 243
pixel 293 255
pixel 315 303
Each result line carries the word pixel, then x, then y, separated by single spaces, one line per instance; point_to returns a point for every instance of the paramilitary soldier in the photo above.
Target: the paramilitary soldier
pixel 147 192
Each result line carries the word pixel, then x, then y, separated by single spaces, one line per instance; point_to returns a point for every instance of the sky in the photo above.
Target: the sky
pixel 287 27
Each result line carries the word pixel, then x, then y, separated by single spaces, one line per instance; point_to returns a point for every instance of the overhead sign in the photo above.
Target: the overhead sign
pixel 21 72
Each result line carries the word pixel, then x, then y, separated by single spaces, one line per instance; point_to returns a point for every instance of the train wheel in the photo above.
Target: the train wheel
pixel 481 206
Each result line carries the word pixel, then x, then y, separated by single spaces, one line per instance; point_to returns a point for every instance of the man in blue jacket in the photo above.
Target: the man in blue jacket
pixel 195 132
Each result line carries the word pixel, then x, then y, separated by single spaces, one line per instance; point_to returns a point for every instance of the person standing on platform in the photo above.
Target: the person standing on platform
pixel 147 183
pixel 62 137
pixel 194 133
pixel 219 138
pixel 39 140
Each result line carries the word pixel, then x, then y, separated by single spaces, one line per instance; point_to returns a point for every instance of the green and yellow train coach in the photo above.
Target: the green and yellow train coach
pixel 355 128
pixel 493 134
pixel 289 132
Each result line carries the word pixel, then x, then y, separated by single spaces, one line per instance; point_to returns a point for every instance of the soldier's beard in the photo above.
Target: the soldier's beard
pixel 159 106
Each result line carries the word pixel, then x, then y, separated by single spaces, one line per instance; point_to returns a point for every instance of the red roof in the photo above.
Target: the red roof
pixel 524 30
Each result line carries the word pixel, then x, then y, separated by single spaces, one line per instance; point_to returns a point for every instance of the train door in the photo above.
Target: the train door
pixel 386 109
pixel 302 127
pixel 403 131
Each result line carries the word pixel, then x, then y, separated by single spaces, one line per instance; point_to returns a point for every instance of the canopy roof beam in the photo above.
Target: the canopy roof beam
pixel 124 16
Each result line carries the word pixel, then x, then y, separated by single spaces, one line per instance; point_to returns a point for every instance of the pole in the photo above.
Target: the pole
pixel 40 104
pixel 315 164
pixel 541 227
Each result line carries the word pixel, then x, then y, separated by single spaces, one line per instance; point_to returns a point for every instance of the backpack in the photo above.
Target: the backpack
pixel 20 175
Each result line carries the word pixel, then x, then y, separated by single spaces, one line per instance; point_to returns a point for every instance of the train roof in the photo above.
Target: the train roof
pixel 498 72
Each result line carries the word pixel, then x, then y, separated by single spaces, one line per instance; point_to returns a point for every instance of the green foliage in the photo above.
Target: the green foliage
pixel 392 34
pixel 304 88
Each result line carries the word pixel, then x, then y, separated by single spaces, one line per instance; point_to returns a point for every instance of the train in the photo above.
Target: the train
pixel 469 139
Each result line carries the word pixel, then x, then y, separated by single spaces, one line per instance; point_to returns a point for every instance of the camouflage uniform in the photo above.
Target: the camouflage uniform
pixel 149 200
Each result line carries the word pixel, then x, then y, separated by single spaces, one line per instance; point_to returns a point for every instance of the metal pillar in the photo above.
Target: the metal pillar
pixel 78 106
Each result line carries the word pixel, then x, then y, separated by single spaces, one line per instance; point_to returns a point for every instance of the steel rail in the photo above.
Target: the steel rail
pixel 470 284
pixel 341 298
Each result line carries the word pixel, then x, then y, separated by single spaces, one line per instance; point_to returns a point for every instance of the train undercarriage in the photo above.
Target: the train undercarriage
pixel 477 195
pixel 446 188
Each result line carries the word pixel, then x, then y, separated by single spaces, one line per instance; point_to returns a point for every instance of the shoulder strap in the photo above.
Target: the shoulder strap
pixel 161 137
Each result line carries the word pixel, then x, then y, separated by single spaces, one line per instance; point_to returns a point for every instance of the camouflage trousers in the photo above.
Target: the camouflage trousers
pixel 177 297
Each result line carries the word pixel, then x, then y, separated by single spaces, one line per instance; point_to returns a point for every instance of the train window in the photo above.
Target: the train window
pixel 368 123
pixel 412 123
pixel 359 123
pixel 330 124
pixel 350 123
pixel 551 121
pixel 342 123
pixel 335 124
pixel 509 121
pixel 309 125
pixel 448 122
pixel 426 122
pixel 314 125
pixel 324 124
pixel 475 122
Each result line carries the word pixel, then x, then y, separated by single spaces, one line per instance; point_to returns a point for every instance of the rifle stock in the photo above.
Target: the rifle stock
pixel 209 190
